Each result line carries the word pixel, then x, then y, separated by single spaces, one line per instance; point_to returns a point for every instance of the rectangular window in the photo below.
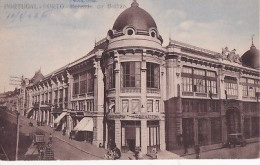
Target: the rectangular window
pixel 136 105
pixel 212 86
pixel 76 85
pixel 157 106
pixel 199 85
pixel 231 85
pixel 83 83
pixel 131 74
pixel 186 84
pixel 149 105
pixel 125 105
pixel 90 81
pixel 152 75
pixel 110 76
pixel 245 90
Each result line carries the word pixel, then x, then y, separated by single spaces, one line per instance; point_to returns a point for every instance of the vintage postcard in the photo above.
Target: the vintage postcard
pixel 129 80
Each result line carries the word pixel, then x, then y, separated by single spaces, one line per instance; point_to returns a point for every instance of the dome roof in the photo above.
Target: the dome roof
pixel 136 17
pixel 251 58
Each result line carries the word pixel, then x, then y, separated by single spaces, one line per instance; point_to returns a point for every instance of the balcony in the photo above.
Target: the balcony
pixel 153 90
pixel 60 99
pixel 130 90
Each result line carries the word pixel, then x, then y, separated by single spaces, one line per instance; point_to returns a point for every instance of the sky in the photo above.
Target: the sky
pixel 48 34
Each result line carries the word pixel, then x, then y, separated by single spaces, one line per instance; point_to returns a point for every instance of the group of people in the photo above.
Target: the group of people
pixel 113 154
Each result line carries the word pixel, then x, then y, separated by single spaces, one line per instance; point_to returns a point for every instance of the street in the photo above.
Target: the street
pixel 250 151
pixel 64 148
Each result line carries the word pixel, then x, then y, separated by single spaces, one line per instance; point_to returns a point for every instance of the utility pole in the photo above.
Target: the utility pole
pixel 17 136
pixel 17 81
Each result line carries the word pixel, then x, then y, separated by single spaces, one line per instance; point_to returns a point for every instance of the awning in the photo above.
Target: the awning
pixel 86 124
pixel 29 113
pixel 57 120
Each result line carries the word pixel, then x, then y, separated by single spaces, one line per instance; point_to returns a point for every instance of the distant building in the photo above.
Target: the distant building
pixel 132 92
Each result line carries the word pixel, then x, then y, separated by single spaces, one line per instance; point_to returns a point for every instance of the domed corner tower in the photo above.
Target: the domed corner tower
pixel 134 75
pixel 251 58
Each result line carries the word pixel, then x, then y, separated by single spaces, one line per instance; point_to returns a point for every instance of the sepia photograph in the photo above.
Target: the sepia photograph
pixel 129 80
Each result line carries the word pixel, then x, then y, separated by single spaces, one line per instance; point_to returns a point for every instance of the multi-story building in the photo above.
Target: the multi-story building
pixel 210 95
pixel 132 92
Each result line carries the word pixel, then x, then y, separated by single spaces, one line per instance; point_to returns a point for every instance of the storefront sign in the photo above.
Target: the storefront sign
pixel 133 116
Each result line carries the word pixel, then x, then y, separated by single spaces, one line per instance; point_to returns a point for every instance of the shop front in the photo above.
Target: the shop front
pixel 82 127
pixel 135 132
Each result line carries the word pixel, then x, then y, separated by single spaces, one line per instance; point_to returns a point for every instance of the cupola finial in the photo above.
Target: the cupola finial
pixel 253 40
pixel 134 4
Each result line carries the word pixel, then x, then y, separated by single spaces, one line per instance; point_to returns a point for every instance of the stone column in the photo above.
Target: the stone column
pixel 48 117
pixel 118 133
pixel 144 137
pixel 70 87
pixel 162 135
pixel 143 84
pixel 98 88
pixel 221 84
pixel 170 79
pixel 163 88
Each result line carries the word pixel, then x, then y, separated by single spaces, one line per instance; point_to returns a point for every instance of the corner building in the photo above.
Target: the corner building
pixel 133 65
pixel 132 92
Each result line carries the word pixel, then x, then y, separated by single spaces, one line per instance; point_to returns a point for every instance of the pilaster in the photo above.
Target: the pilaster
pixel 143 84
pixel 144 136
pixel 118 133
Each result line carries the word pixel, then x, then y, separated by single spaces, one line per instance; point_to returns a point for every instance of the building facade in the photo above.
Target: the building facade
pixel 132 92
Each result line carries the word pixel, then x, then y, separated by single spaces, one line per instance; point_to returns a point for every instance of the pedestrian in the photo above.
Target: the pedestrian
pixel 117 153
pixel 64 131
pixel 197 151
pixel 100 145
pixel 50 138
pixel 70 135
